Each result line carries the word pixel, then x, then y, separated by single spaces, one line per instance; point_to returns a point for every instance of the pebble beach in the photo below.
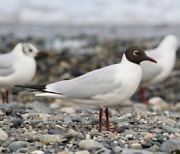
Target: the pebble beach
pixel 44 125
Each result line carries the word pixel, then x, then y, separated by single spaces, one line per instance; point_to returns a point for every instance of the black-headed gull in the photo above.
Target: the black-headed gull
pixel 165 54
pixel 17 67
pixel 103 87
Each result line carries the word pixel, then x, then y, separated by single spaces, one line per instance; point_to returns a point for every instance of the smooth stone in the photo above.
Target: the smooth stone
pixel 69 110
pixel 14 146
pixel 37 152
pixel 158 104
pixel 82 152
pixel 132 151
pixel 170 129
pixel 149 136
pixel 44 116
pixel 67 119
pixel 172 145
pixel 48 138
pixel 72 133
pixel 135 146
pixel 23 150
pixel 55 106
pixel 90 144
pixel 3 135
pixel 169 121
pixel 40 107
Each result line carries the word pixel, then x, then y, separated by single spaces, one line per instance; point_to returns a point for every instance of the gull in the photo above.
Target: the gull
pixel 17 67
pixel 152 73
pixel 108 86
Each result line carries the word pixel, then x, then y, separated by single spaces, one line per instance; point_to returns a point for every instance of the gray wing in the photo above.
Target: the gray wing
pixel 149 71
pixel 87 86
pixel 6 72
pixel 6 61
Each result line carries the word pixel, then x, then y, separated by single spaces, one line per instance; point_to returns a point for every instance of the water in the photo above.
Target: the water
pixel 90 12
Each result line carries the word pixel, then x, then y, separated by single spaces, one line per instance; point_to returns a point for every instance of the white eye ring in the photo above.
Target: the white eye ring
pixel 135 53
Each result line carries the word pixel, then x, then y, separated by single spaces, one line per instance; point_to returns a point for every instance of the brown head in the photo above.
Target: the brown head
pixel 137 55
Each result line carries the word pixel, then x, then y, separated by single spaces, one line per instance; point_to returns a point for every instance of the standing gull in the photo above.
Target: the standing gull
pixel 17 67
pixel 165 54
pixel 103 87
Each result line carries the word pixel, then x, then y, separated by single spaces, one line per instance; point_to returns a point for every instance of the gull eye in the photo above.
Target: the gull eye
pixel 135 53
pixel 30 50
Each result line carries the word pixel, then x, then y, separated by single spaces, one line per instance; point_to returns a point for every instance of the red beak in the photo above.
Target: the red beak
pixel 150 59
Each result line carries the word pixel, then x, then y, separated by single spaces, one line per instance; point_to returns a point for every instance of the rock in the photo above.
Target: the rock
pixel 82 152
pixel 169 121
pixel 44 116
pixel 69 110
pixel 3 135
pixel 14 146
pixel 48 138
pixel 63 152
pixel 37 152
pixel 72 133
pixel 23 151
pixel 40 107
pixel 16 122
pixel 177 107
pixel 132 151
pixel 149 136
pixel 135 146
pixel 55 105
pixel 172 145
pixel 90 144
pixel 170 129
pixel 158 104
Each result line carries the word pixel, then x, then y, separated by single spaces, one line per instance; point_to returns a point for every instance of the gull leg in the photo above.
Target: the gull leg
pixel 107 120
pixel 6 96
pixel 143 95
pixel 3 97
pixel 100 119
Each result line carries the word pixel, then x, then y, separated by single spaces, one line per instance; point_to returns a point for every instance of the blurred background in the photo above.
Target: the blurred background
pixel 85 35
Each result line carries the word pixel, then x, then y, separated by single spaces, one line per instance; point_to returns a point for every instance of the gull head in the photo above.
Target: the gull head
pixel 136 55
pixel 169 43
pixel 26 49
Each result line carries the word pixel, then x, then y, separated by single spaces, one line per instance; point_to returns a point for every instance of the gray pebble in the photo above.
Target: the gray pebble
pixel 90 144
pixel 171 145
pixel 48 138
pixel 3 135
pixel 14 146
pixel 170 129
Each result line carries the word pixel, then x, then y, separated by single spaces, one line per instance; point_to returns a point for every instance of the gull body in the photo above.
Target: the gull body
pixel 17 67
pixel 103 87
pixel 165 54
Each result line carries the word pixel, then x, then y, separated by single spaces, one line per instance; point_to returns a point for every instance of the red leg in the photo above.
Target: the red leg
pixel 100 119
pixel 143 95
pixel 6 96
pixel 3 97
pixel 107 120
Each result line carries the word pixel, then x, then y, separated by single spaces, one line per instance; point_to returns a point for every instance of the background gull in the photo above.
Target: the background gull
pixel 165 54
pixel 17 67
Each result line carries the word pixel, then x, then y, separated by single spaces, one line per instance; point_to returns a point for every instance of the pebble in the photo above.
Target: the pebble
pixel 3 135
pixel 158 104
pixel 14 146
pixel 90 144
pixel 48 138
pixel 72 133
pixel 40 107
pixel 171 145
pixel 149 136
pixel 170 129
pixel 37 152
pixel 69 110
pixel 82 152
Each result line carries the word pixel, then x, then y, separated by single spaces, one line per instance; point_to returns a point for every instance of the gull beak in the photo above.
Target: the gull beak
pixel 150 59
pixel 42 54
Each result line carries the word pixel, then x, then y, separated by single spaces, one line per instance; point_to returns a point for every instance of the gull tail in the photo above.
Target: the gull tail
pixel 33 87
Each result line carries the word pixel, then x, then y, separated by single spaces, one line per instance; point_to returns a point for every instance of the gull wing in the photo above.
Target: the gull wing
pixel 98 82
